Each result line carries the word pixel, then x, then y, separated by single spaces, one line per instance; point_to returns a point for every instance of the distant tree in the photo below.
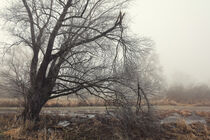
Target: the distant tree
pixel 14 74
pixel 76 47
pixel 151 76
pixel 191 94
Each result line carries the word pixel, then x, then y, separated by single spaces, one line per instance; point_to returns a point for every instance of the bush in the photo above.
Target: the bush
pixel 137 125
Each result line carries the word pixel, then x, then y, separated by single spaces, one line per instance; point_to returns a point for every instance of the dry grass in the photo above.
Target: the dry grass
pixel 99 128
pixel 8 102
pixel 74 102
pixel 177 103
pixel 181 131
pixel 164 102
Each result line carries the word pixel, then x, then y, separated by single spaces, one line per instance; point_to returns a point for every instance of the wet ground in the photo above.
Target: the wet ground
pixel 96 109
pixel 58 110
pixel 90 111
pixel 186 107
pixel 175 117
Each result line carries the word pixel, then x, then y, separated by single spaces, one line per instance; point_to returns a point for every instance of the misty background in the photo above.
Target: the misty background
pixel 180 30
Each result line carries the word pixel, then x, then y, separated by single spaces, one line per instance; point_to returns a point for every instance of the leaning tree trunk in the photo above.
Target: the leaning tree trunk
pixel 35 100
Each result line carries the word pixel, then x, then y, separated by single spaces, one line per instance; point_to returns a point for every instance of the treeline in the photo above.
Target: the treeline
pixel 193 94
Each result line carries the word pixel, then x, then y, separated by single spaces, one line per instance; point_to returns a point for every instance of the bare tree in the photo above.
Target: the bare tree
pixel 76 46
pixel 15 74
pixel 151 77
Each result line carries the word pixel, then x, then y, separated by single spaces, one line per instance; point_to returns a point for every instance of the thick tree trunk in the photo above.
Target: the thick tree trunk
pixel 34 102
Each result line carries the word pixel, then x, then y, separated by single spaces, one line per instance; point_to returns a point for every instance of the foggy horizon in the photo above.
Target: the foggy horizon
pixel 180 30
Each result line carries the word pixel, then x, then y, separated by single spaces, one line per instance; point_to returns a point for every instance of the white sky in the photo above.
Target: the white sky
pixel 181 31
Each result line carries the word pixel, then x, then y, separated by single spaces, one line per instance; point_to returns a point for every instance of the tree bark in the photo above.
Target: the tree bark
pixel 34 102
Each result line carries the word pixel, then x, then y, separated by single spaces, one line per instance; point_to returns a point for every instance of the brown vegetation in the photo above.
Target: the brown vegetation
pixel 75 102
pixel 102 127
pixel 8 102
pixel 181 131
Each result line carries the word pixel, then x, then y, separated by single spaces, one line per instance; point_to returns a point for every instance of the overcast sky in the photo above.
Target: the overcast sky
pixel 181 31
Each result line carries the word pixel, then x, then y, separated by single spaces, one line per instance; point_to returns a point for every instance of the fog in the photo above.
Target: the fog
pixel 180 30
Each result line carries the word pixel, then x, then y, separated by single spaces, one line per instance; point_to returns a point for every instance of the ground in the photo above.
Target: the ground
pixel 89 122
pixel 99 127
pixel 103 127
